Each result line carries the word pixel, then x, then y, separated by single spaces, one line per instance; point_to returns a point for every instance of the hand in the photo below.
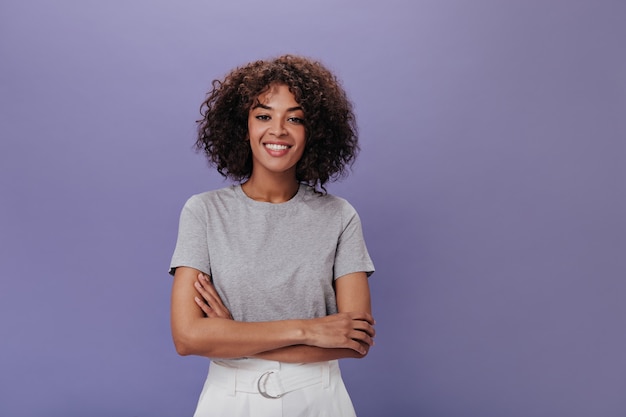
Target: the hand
pixel 212 304
pixel 343 330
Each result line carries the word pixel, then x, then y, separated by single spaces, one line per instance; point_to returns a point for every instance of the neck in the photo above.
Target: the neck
pixel 272 189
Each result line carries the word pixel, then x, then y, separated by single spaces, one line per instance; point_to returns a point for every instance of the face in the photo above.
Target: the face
pixel 276 132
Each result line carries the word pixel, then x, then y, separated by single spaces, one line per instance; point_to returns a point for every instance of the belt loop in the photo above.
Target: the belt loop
pixel 232 383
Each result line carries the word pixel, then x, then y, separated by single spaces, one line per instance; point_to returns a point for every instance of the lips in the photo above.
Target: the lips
pixel 277 149
pixel 276 146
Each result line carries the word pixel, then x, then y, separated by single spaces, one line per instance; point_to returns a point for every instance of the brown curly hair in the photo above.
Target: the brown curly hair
pixel 330 125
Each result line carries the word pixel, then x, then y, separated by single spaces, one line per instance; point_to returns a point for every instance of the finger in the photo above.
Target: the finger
pixel 208 311
pixel 363 316
pixel 357 347
pixel 215 299
pixel 206 290
pixel 364 348
pixel 362 337
pixel 364 327
pixel 221 312
pixel 211 312
pixel 203 292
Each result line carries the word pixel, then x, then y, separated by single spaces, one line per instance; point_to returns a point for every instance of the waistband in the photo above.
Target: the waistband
pixel 270 379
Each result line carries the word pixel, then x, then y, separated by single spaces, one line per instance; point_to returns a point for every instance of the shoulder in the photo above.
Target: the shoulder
pixel 329 202
pixel 203 201
pixel 213 195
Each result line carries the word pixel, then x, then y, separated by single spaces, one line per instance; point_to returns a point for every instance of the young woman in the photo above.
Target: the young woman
pixel 271 274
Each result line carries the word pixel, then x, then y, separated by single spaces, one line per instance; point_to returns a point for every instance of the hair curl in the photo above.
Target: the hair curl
pixel 330 125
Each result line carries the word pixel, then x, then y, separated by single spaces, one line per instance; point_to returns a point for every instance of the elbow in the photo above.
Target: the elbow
pixel 184 344
pixel 182 349
pixel 187 343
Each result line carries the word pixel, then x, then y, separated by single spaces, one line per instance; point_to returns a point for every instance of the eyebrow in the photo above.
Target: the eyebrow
pixel 263 106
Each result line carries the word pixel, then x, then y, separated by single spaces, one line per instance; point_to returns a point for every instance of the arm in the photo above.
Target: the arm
pixel 353 294
pixel 220 337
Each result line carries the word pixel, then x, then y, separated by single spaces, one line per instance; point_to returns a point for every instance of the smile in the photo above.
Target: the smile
pixel 276 147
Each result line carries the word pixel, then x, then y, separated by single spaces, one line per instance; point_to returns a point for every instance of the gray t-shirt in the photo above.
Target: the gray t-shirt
pixel 272 261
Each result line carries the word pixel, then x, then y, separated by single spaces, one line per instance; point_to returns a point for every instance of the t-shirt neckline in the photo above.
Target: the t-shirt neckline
pixel 293 200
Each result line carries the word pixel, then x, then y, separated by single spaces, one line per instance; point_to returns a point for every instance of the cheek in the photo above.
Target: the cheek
pixel 253 130
pixel 254 125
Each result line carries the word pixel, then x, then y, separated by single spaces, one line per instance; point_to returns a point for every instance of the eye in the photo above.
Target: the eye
pixel 263 117
pixel 296 120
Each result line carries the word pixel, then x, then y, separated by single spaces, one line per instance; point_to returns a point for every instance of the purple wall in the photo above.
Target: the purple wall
pixel 492 187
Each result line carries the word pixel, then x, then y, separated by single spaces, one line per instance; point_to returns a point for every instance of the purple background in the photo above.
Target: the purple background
pixel 491 186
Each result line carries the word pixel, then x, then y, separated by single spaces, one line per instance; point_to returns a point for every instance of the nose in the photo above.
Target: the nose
pixel 278 127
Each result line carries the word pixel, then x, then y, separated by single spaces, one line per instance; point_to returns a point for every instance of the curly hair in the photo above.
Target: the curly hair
pixel 330 125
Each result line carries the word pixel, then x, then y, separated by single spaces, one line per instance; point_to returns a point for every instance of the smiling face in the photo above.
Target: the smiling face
pixel 276 132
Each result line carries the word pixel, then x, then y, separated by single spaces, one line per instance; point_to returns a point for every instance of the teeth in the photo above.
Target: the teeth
pixel 275 147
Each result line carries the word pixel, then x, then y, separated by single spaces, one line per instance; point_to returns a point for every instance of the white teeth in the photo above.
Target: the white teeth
pixel 276 147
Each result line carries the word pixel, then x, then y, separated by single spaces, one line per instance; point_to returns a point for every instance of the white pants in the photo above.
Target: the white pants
pixel 260 388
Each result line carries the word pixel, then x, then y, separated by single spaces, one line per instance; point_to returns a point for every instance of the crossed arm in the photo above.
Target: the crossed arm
pixel 207 329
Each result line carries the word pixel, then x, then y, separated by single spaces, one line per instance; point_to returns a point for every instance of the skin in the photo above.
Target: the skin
pixel 202 325
pixel 276 119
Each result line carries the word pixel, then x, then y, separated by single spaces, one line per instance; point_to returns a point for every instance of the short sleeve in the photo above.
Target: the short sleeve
pixel 352 255
pixel 192 246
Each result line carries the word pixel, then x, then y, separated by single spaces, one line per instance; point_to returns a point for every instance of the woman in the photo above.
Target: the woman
pixel 271 274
